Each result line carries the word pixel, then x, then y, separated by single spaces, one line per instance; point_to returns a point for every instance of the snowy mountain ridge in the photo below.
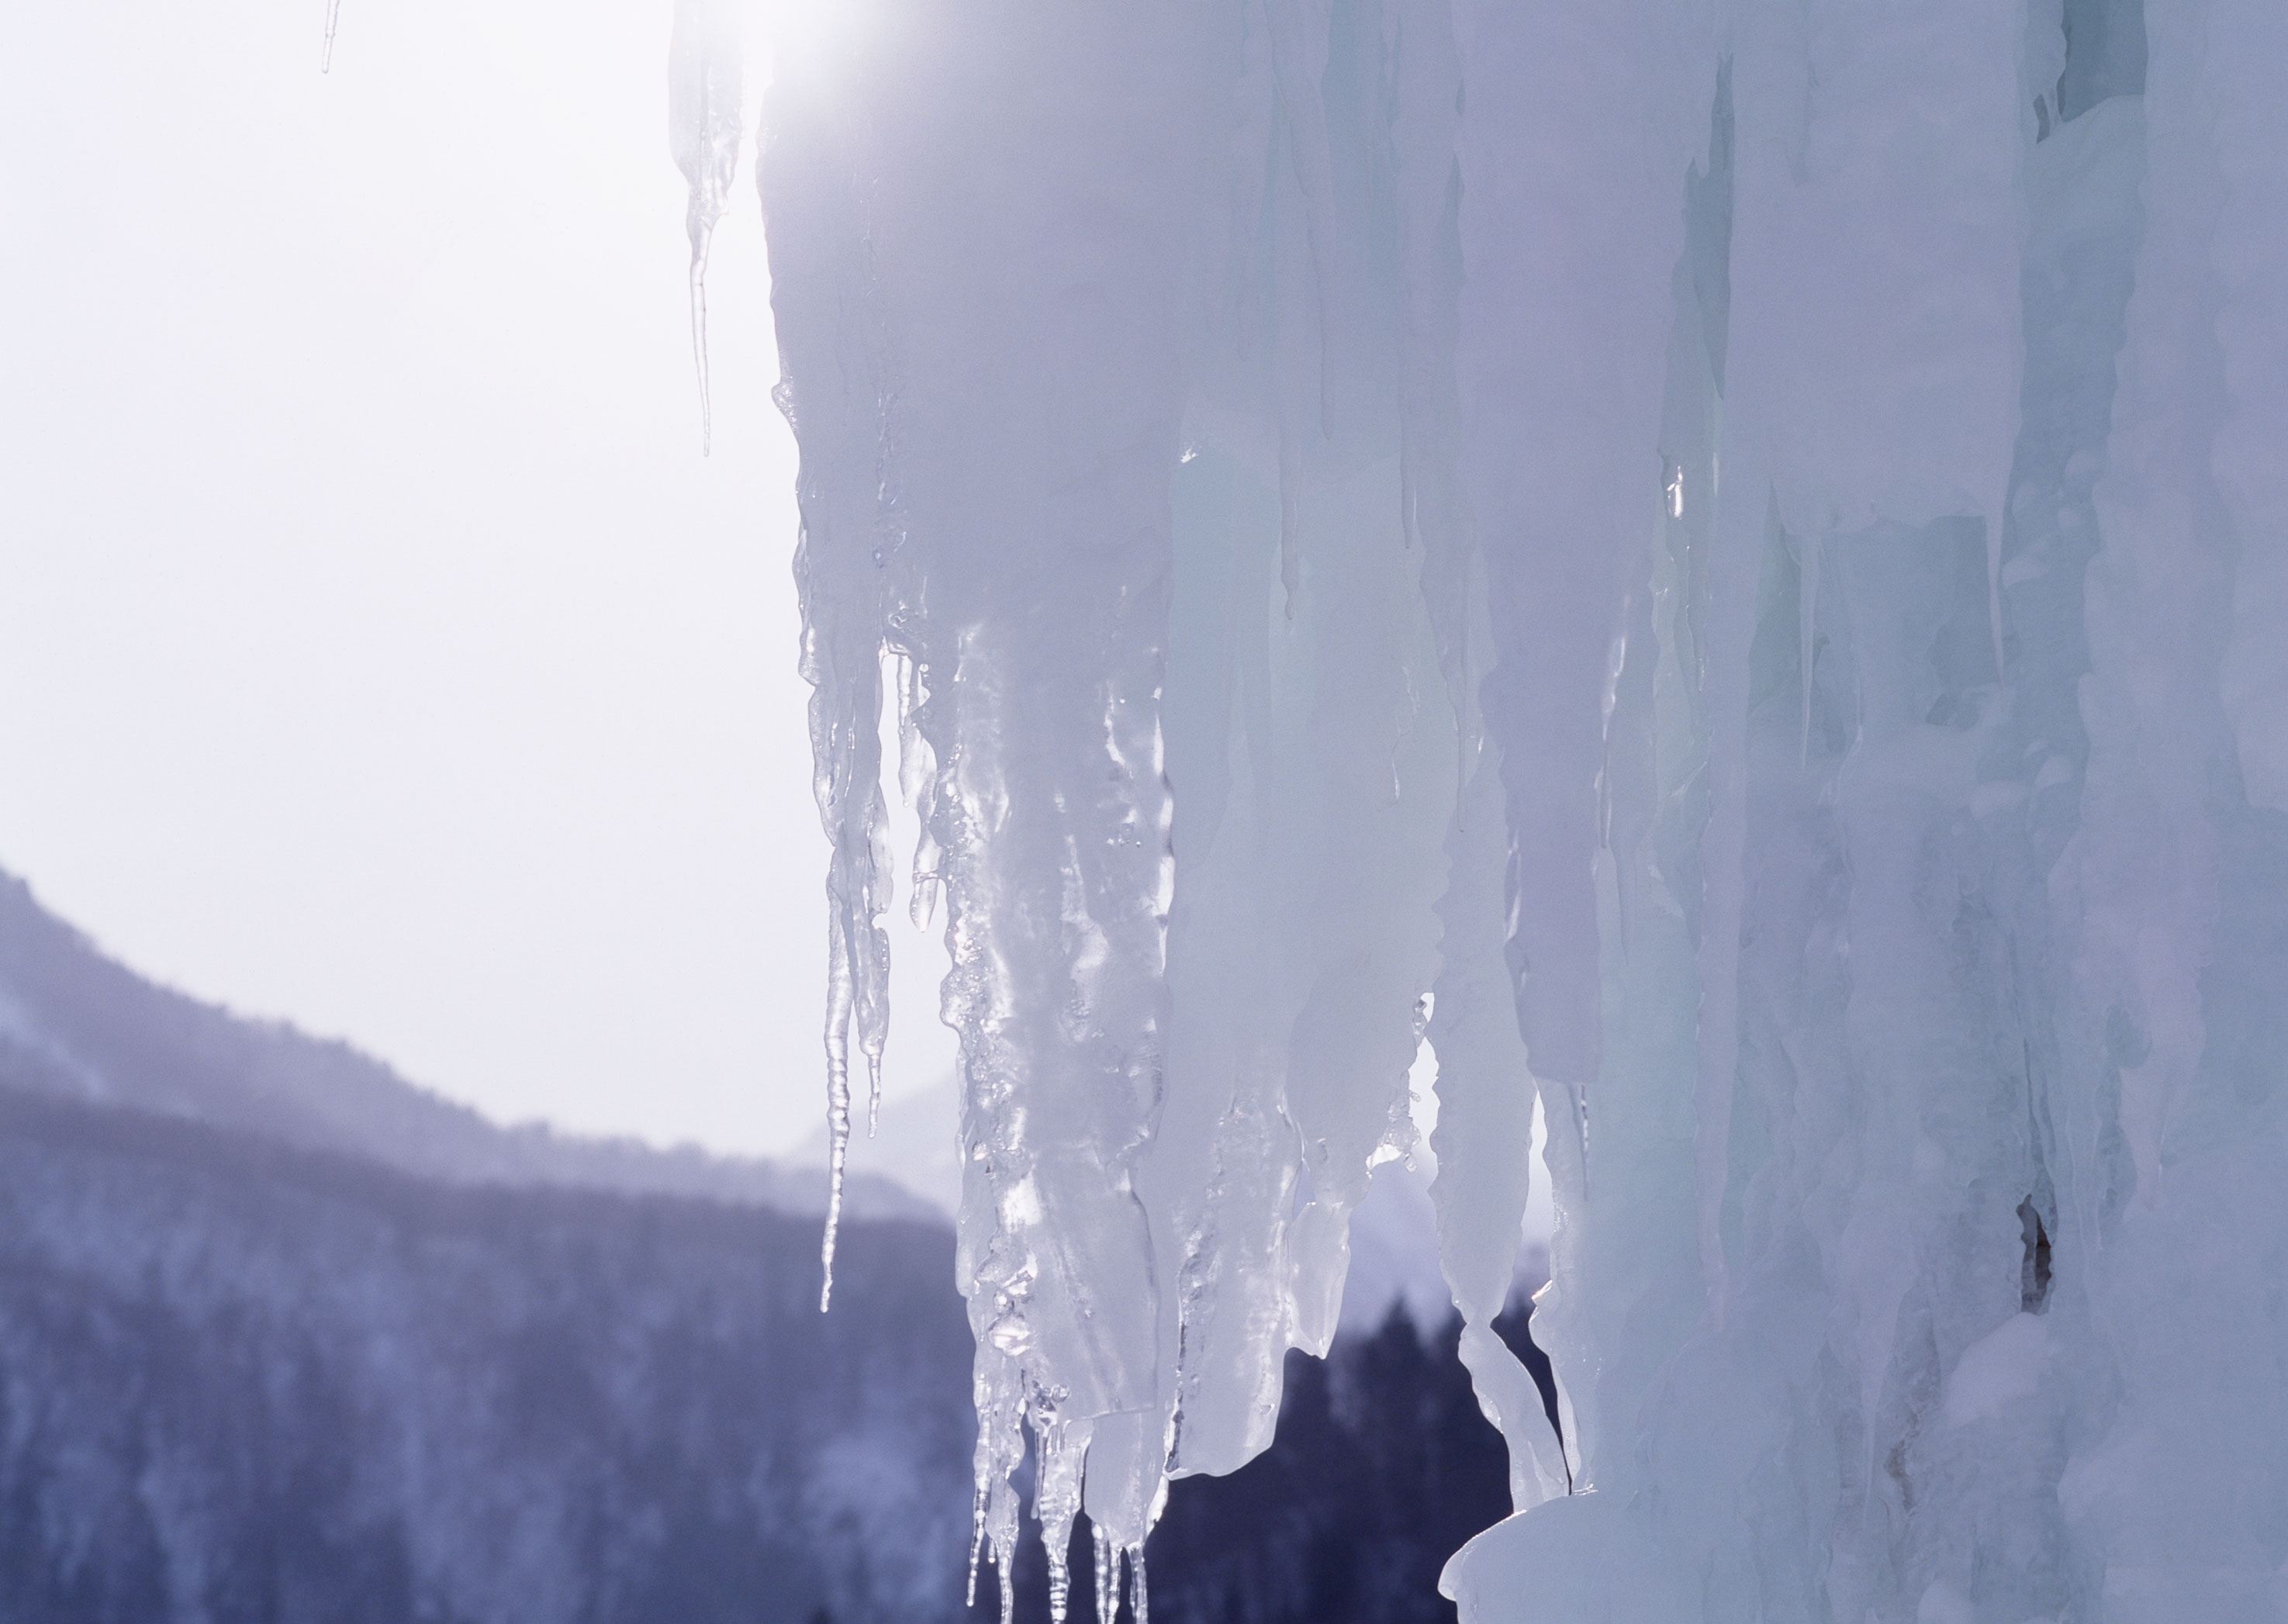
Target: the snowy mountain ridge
pixel 77 1025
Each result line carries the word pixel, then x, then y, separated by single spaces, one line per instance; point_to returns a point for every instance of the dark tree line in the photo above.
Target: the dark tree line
pixel 1382 1468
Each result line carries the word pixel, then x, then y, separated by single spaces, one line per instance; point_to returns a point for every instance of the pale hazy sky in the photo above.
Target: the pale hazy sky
pixel 377 651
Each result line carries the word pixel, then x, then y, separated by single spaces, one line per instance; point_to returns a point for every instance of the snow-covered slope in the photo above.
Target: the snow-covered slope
pixel 75 1024
pixel 240 1381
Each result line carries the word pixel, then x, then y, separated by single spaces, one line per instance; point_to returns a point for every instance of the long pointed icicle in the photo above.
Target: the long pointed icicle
pixel 705 109
pixel 1107 1557
pixel 838 1101
pixel 857 968
pixel 1139 1598
pixel 333 19
pixel 700 236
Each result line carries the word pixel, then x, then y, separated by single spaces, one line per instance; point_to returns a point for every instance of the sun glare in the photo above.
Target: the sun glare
pixel 817 34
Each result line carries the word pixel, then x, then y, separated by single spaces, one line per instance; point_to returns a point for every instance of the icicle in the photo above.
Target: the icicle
pixel 705 118
pixel 857 967
pixel 1000 1451
pixel 1139 1596
pixel 837 1108
pixel 1125 1488
pixel 700 238
pixel 1061 1446
pixel 1107 1555
pixel 1485 1128
pixel 917 782
pixel 333 17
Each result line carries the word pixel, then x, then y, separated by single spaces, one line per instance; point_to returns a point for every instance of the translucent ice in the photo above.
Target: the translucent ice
pixel 704 120
pixel 1725 554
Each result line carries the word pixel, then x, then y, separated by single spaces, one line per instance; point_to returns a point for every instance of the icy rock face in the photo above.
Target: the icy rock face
pixel 1719 554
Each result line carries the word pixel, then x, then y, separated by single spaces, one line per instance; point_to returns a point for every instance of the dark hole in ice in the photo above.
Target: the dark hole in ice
pixel 2034 1278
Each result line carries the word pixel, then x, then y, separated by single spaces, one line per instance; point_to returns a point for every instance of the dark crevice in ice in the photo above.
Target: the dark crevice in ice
pixel 2034 1275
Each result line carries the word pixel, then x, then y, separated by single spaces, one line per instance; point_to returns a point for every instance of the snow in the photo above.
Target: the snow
pixel 1719 561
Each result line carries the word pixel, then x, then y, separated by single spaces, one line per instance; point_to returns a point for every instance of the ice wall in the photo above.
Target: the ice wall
pixel 1720 553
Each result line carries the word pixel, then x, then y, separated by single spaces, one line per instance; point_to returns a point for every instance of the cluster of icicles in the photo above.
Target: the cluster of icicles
pixel 1274 447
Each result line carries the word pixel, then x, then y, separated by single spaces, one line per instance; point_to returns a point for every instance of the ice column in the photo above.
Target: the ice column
pixel 1997 1146
pixel 1742 1262
pixel 1591 116
pixel 2176 885
pixel 1310 742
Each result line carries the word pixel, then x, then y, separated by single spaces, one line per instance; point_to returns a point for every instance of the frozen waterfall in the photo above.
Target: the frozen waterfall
pixel 1718 552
